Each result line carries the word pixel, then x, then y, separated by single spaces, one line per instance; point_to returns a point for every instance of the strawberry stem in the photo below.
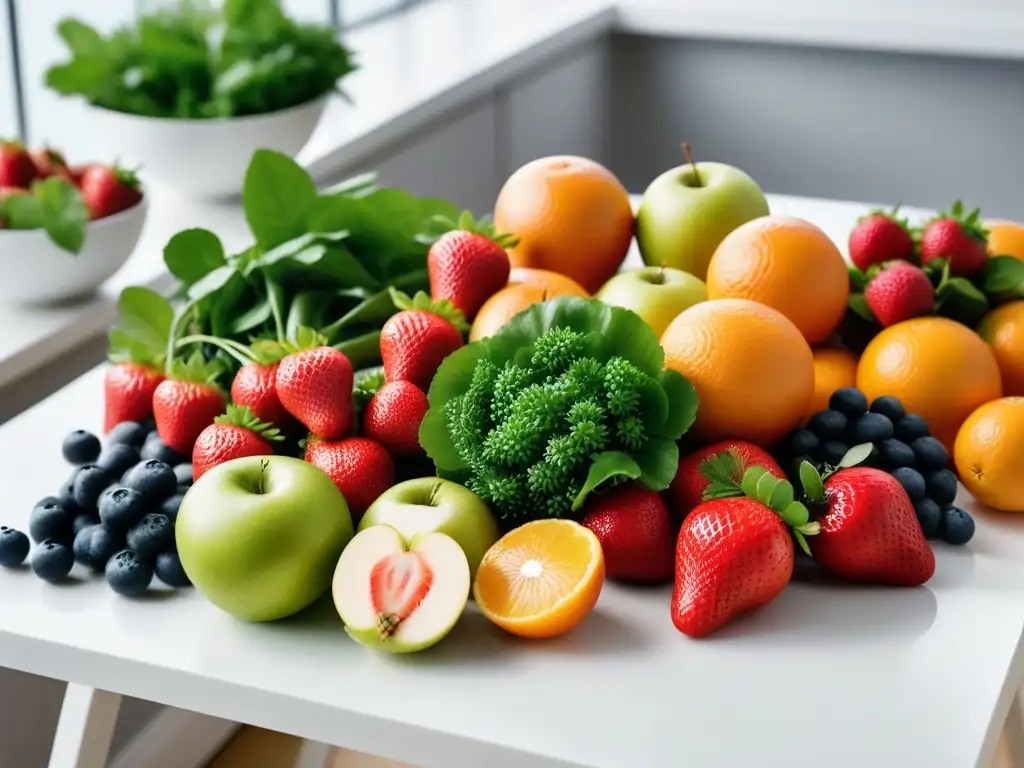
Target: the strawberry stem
pixel 237 351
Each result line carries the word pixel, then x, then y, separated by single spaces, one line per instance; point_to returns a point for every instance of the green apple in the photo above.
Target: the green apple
pixel 687 211
pixel 399 596
pixel 260 536
pixel 433 505
pixel 657 294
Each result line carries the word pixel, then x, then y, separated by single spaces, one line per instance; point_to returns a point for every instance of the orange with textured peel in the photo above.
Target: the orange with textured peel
pixel 834 368
pixel 989 454
pixel 545 278
pixel 1003 329
pixel 513 299
pixel 1005 238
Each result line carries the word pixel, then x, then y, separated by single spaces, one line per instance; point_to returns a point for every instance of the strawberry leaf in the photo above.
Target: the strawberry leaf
pixel 724 467
pixel 196 368
pixel 810 480
pixel 482 226
pixel 242 416
pixel 794 514
pixel 750 479
pixel 422 302
pixel 765 488
pixel 802 542
pixel 856 455
pixel 721 491
pixel 781 496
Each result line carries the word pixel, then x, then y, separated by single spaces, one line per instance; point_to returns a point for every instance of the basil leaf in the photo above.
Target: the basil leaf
pixel 193 254
pixel 277 197
pixel 144 325
pixel 607 466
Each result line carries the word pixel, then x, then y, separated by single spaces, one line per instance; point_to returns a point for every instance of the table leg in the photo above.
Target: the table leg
pixel 85 728
pixel 1013 731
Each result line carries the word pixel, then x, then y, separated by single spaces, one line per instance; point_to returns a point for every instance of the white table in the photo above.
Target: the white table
pixel 837 676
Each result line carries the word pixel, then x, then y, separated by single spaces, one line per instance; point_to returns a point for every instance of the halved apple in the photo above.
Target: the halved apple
pixel 400 598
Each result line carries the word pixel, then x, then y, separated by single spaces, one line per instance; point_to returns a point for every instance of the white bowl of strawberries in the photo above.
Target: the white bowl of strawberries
pixel 64 230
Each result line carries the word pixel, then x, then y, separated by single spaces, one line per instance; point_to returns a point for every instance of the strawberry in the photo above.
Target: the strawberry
pixel 361 468
pixel 899 292
pixel 879 237
pixel 398 584
pixel 236 433
pixel 187 402
pixel 48 162
pixel 16 166
pixel 108 190
pixel 75 173
pixel 468 264
pixel 393 417
pixel 734 552
pixel 314 385
pixel 414 341
pixel 868 528
pixel 635 531
pixel 689 484
pixel 128 392
pixel 961 240
pixel 255 386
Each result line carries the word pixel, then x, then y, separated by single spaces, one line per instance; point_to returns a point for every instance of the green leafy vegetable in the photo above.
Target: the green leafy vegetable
pixel 567 398
pixel 192 60
pixel 53 204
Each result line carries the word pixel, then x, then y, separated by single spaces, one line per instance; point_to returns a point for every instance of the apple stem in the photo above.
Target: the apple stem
pixel 689 158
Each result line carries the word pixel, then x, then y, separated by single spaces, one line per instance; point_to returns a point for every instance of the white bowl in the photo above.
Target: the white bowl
pixel 205 158
pixel 35 270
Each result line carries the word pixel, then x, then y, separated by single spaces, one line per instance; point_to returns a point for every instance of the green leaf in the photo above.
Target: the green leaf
pixel 257 314
pixel 812 528
pixel 144 326
pixel 721 491
pixel 213 282
pixel 810 480
pixel 858 280
pixel 725 467
pixel 682 403
pixel 856 455
pixel 765 486
pixel 64 212
pixel 611 465
pixel 793 514
pixel 192 254
pixel 375 309
pixel 82 39
pixel 959 299
pixel 859 306
pixel 750 480
pixel 277 197
pixel 802 542
pixel 1002 274
pixel 782 496
pixel 658 460
pixel 23 212
pixel 362 351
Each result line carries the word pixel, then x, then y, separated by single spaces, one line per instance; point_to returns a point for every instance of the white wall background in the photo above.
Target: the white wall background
pixel 8 120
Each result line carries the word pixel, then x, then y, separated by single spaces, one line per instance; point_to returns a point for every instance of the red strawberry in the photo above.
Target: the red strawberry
pixel 469 264
pixel 315 386
pixel 393 417
pixel 899 292
pixel 16 166
pixel 255 386
pixel 398 584
pixel 869 531
pixel 187 402
pixel 415 341
pixel 48 162
pixel 108 190
pixel 878 237
pixel 361 468
pixel 687 489
pixel 635 531
pixel 233 435
pixel 128 393
pixel 961 240
pixel 75 173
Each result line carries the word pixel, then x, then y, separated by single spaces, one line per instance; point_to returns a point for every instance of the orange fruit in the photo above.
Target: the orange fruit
pixel 1005 238
pixel 788 264
pixel 545 278
pixel 834 368
pixel 751 367
pixel 989 454
pixel 541 579
pixel 513 299
pixel 1003 329
pixel 570 214
pixel 938 368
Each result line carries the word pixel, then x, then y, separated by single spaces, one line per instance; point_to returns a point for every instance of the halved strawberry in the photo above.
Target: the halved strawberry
pixel 398 584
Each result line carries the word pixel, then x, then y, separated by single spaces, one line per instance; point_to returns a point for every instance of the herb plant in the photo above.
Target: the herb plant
pixel 193 61
pixel 572 395
pixel 53 204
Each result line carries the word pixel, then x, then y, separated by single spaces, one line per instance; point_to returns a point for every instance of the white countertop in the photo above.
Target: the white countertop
pixel 841 676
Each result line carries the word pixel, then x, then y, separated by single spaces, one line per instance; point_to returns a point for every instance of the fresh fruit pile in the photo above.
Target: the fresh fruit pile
pixel 39 190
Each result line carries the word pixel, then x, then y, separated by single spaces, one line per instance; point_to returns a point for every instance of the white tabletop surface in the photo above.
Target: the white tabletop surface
pixel 840 676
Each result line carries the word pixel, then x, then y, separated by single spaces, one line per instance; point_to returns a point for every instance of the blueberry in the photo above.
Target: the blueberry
pixel 848 400
pixel 121 508
pixel 90 482
pixel 128 574
pixel 832 452
pixel 153 448
pixel 929 515
pixel 802 442
pixel 171 506
pixel 895 453
pixel 153 534
pixel 911 427
pixel 828 425
pixel 14 546
pixel 118 458
pixel 957 526
pixel 169 571
pixel 80 549
pixel 872 428
pixel 66 494
pixel 941 486
pixel 52 561
pixel 83 520
pixel 104 543
pixel 930 453
pixel 184 474
pixel 50 521
pixel 888 406
pixel 80 447
pixel 912 482
pixel 153 479
pixel 128 433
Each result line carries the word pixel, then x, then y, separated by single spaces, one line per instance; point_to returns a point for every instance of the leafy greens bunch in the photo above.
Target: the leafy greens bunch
pixel 193 61
pixel 54 204
pixel 321 262
pixel 572 395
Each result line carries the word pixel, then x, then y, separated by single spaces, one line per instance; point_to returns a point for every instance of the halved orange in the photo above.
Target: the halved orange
pixel 541 579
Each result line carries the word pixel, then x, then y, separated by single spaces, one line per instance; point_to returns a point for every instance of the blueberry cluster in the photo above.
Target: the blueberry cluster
pixel 115 514
pixel 902 447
